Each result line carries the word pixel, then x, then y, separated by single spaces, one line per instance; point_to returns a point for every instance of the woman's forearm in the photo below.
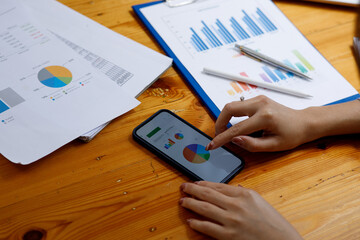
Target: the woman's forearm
pixel 331 120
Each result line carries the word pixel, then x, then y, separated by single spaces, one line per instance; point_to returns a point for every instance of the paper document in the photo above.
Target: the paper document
pixel 131 65
pixel 112 71
pixel 48 94
pixel 145 64
pixel 204 33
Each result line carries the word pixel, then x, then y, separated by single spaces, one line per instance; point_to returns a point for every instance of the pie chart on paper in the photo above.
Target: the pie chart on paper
pixel 55 76
pixel 196 153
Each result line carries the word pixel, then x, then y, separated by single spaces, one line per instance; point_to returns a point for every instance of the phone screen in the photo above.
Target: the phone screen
pixel 186 146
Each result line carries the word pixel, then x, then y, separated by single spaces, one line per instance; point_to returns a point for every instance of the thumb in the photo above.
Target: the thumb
pixel 262 144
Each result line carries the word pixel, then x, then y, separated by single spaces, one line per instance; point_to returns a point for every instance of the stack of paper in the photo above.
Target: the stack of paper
pixel 63 79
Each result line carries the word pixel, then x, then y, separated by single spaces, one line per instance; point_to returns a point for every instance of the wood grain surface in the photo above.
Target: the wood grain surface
pixel 112 188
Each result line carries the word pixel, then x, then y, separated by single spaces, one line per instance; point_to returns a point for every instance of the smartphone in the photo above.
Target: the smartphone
pixel 183 146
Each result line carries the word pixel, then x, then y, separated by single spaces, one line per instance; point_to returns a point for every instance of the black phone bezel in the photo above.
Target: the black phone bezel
pixel 172 161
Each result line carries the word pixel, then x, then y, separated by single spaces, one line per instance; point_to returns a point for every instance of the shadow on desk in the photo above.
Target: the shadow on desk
pixel 318 4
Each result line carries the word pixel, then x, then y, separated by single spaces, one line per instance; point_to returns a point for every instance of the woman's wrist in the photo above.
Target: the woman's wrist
pixel 313 123
pixel 331 120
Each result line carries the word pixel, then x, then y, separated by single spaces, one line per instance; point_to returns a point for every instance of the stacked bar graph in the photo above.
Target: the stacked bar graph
pixel 270 74
pixel 265 22
pixel 240 32
pixel 8 99
pixel 280 74
pixel 252 26
pixel 224 33
pixel 198 42
pixel 217 33
pixel 273 75
pixel 303 60
pixel 239 87
pixel 276 75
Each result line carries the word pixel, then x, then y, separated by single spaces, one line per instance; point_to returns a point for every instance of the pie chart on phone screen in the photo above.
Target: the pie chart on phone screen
pixel 196 153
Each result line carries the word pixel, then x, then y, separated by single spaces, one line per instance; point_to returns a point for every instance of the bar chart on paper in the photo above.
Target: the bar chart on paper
pixel 8 99
pixel 211 31
pixel 272 75
pixel 206 36
pixel 210 35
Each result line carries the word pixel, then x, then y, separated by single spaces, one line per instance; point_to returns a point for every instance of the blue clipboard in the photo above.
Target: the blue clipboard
pixel 215 111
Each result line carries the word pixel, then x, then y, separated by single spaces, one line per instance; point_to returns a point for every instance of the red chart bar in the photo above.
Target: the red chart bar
pixel 245 75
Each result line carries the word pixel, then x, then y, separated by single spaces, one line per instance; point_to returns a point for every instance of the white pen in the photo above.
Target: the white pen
pixel 255 82
pixel 261 57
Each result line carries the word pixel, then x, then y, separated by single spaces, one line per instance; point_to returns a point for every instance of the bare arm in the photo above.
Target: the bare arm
pixel 284 128
pixel 336 119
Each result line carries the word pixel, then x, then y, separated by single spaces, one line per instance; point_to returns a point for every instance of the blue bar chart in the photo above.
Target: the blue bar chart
pixel 270 73
pixel 254 28
pixel 217 33
pixel 224 33
pixel 8 99
pixel 280 74
pixel 240 32
pixel 3 106
pixel 265 22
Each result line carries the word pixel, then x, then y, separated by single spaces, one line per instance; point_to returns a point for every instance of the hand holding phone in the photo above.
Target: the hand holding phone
pixel 183 146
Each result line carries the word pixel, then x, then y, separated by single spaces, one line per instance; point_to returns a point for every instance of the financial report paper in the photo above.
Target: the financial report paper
pixel 48 94
pixel 204 33
pixel 116 56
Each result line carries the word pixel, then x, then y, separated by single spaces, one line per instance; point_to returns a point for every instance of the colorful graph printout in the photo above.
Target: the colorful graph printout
pixel 271 75
pixel 55 76
pixel 196 153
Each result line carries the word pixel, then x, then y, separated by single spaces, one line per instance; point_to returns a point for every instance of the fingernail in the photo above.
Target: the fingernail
pixel 189 220
pixel 182 186
pixel 238 141
pixel 209 146
pixel 181 201
pixel 197 182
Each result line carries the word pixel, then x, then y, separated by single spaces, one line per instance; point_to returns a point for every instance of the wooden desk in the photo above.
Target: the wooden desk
pixel 111 188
